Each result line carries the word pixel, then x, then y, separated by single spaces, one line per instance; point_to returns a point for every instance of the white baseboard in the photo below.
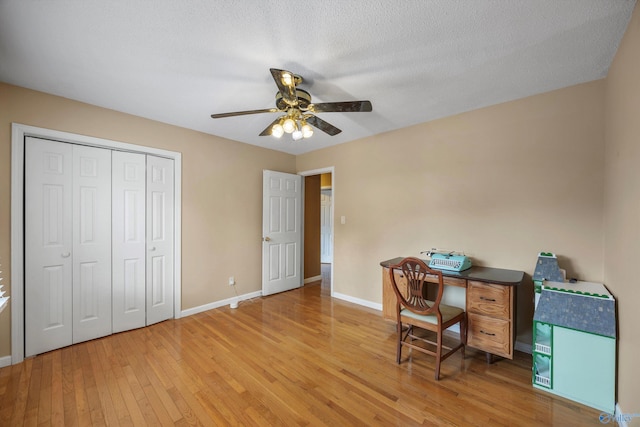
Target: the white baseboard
pixel 622 422
pixel 312 279
pixel 365 303
pixel 5 361
pixel 620 417
pixel 221 303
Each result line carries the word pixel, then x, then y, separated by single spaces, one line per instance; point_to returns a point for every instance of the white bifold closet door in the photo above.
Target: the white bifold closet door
pixel 67 244
pixel 142 240
pixel 98 242
pixel 129 242
pixel 159 239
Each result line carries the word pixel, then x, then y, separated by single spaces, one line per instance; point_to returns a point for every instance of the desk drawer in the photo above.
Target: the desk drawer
pixel 489 334
pixel 449 281
pixel 388 295
pixel 489 299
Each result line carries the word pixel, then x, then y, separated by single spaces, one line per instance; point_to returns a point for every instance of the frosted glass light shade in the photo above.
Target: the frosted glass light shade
pixel 289 125
pixel 277 130
pixel 307 131
pixel 287 79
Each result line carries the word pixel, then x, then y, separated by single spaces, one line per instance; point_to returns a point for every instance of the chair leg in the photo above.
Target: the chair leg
pixel 438 353
pixel 399 350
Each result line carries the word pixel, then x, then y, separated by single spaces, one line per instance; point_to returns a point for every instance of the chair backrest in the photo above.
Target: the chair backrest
pixel 414 298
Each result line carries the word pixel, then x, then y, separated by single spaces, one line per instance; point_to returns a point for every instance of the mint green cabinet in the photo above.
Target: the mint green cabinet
pixel 574 344
pixel 576 365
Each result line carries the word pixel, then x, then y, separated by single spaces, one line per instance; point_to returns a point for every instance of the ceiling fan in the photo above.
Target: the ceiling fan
pixel 299 117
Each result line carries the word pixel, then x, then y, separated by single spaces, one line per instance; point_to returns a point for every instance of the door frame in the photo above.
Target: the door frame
pixel 332 170
pixel 18 134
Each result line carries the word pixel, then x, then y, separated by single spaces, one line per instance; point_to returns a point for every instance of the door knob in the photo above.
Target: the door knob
pixel 153 248
pixel 65 254
pixel 267 239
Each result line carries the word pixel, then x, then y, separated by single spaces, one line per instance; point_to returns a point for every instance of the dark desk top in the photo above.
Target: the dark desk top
pixel 481 274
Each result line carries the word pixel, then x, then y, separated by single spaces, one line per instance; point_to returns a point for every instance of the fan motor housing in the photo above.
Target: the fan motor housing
pixel 304 99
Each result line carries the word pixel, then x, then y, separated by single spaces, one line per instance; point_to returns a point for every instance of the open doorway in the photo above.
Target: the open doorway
pixel 318 227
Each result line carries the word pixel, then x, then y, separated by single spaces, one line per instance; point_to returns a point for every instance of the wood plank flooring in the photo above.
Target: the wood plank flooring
pixel 296 358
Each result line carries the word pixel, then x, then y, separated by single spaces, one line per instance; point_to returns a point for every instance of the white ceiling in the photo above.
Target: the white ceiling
pixel 416 60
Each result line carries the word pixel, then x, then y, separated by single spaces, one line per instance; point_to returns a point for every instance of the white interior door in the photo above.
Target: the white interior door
pixel 160 199
pixel 48 245
pixel 91 252
pixel 326 227
pixel 281 231
pixel 129 244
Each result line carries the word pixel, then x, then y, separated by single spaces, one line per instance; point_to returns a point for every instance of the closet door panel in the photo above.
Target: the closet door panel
pixel 91 243
pixel 48 245
pixel 129 253
pixel 160 200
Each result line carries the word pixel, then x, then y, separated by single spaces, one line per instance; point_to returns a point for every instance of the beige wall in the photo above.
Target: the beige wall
pixel 221 190
pixel 622 207
pixel 501 183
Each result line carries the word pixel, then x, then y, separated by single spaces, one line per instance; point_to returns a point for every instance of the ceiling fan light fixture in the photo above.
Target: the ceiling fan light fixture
pixel 289 125
pixel 277 131
pixel 295 109
pixel 287 79
pixel 307 131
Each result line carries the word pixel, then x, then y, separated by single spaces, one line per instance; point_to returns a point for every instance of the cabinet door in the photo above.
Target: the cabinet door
pixel 584 368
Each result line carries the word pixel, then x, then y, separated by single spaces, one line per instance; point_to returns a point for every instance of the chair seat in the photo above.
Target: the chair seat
pixel 448 313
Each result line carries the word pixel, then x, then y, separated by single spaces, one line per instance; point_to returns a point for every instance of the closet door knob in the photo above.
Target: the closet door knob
pixel 65 254
pixel 153 248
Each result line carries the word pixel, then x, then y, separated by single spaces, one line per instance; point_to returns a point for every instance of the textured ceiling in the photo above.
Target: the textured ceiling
pixel 416 60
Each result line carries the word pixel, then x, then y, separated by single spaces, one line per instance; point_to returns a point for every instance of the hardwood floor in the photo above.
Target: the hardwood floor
pixel 296 358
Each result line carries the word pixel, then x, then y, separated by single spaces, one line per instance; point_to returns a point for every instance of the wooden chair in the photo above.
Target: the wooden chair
pixel 416 310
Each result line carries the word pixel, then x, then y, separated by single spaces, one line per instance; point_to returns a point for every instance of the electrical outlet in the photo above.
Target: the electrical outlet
pixel 232 281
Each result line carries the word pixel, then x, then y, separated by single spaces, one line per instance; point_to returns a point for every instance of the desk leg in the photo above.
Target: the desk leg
pixel 489 358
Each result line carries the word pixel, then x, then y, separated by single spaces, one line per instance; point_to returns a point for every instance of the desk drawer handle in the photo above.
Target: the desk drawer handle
pixel 487 333
pixel 488 299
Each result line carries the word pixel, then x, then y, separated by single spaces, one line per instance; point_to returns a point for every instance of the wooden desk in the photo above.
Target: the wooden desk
pixel 490 304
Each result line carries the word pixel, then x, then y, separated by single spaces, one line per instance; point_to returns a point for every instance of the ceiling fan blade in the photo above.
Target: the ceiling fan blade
pixel 286 82
pixel 244 113
pixel 267 130
pixel 341 107
pixel 325 127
